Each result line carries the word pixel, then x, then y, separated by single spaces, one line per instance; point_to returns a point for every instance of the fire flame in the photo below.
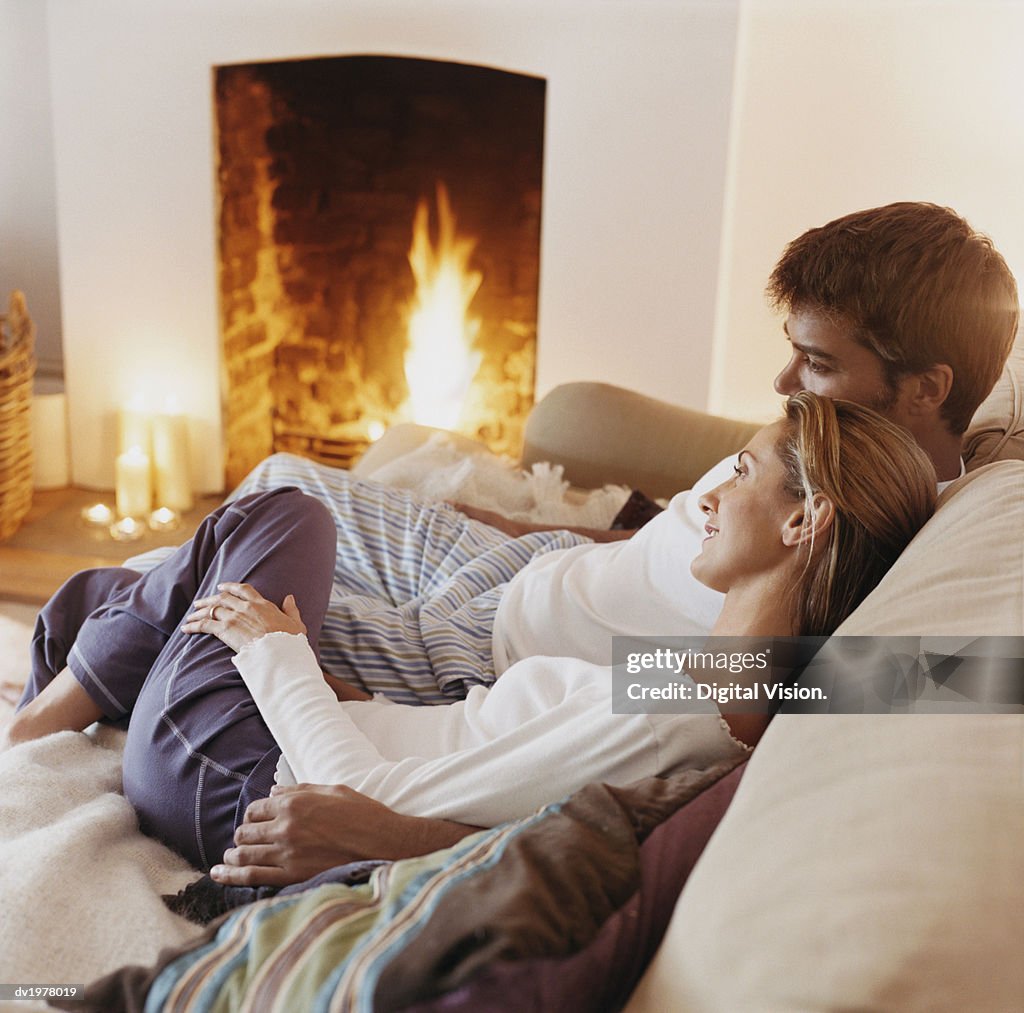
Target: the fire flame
pixel 441 362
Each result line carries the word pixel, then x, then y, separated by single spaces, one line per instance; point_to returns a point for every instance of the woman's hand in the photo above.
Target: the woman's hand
pixel 239 615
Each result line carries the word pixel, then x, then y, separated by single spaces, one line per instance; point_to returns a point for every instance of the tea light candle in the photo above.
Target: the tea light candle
pixel 99 515
pixel 164 519
pixel 127 529
pixel 170 457
pixel 134 491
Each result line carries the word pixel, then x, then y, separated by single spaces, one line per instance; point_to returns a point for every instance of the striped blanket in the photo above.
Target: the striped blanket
pixel 541 886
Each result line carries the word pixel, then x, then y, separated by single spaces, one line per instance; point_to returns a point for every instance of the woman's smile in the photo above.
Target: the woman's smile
pixel 752 506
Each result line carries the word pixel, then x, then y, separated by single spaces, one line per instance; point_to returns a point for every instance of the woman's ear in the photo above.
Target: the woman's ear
pixel 809 520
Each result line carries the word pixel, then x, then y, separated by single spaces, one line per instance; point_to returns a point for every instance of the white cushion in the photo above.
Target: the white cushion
pixel 876 861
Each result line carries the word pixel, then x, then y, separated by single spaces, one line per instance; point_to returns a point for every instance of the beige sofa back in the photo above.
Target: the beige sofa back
pixel 601 433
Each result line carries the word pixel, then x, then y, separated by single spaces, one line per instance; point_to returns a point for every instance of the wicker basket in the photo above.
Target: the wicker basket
pixel 17 368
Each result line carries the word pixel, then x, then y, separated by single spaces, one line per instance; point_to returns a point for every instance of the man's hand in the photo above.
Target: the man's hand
pixel 304 829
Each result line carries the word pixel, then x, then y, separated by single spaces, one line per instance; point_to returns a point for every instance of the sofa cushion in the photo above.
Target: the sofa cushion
pixel 996 432
pixel 867 862
pixel 963 575
pixel 875 861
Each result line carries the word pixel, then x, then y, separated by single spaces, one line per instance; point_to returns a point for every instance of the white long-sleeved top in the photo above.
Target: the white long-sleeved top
pixel 543 730
pixel 573 601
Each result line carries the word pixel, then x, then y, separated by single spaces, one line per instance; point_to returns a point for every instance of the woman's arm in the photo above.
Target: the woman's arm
pixel 544 730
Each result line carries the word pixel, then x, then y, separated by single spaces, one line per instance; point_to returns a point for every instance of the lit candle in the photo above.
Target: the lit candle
pixel 99 515
pixel 170 457
pixel 127 529
pixel 134 490
pixel 164 519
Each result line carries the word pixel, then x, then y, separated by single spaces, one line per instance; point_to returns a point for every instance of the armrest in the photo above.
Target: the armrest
pixel 601 433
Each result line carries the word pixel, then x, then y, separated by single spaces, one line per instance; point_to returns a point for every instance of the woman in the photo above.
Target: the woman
pixel 821 504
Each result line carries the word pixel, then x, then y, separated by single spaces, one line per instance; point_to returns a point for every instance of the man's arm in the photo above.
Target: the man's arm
pixel 304 829
pixel 517 528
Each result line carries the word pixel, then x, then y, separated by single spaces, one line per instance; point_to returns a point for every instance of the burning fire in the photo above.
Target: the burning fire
pixel 441 361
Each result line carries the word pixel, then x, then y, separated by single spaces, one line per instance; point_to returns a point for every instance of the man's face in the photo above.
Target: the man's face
pixel 826 360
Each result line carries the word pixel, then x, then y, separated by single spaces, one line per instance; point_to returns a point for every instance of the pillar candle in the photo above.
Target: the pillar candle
pixel 170 458
pixel 49 439
pixel 134 489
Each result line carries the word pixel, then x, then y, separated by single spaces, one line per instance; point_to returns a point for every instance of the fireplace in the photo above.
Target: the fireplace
pixel 636 117
pixel 362 199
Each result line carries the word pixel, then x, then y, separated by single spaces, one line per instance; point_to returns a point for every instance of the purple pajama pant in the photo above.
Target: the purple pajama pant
pixel 197 751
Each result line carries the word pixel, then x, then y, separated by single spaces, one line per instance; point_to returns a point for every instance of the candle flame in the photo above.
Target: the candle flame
pixel 440 363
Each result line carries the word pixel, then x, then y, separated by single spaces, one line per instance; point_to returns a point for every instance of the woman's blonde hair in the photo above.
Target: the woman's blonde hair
pixel 882 485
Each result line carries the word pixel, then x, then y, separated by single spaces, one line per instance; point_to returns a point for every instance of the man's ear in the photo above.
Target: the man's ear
pixel 926 391
pixel 816 517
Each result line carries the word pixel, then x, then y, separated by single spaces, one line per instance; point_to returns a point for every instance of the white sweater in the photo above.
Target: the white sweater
pixel 545 729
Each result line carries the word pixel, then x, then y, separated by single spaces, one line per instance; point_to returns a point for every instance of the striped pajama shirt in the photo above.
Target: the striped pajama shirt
pixel 416 585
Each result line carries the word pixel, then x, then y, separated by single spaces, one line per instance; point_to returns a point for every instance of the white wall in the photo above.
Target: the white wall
pixel 28 218
pixel 639 94
pixel 843 105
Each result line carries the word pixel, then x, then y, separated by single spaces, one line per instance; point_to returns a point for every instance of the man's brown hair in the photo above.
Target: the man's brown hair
pixel 918 286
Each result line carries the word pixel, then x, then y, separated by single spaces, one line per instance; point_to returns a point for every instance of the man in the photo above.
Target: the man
pixel 903 308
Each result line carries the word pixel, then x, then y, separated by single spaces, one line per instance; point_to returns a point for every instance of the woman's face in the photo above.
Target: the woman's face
pixel 746 517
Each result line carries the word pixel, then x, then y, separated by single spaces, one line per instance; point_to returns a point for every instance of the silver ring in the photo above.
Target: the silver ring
pixel 213 613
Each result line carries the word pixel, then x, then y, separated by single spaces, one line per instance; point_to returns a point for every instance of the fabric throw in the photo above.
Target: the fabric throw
pixel 540 886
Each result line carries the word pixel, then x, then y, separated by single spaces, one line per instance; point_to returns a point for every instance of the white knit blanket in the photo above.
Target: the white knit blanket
pixel 79 885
